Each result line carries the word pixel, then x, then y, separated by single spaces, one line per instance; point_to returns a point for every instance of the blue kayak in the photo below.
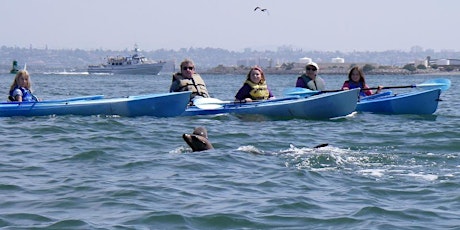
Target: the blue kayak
pixel 158 105
pixel 322 106
pixel 416 102
pixel 82 98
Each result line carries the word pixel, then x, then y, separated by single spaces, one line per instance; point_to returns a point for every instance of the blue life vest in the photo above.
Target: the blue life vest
pixel 26 94
pixel 354 85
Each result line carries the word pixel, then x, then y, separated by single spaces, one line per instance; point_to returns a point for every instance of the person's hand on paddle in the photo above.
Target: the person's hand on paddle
pixel 379 89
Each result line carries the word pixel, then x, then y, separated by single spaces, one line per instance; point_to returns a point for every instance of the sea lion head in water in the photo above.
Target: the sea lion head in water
pixel 198 141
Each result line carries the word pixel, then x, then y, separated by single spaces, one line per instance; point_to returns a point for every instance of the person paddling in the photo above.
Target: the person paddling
pixel 356 79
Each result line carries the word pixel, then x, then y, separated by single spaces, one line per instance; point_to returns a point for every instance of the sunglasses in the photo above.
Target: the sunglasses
pixel 188 68
pixel 312 69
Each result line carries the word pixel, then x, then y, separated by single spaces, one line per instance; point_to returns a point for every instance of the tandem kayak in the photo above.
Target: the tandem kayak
pixel 416 102
pixel 322 106
pixel 158 105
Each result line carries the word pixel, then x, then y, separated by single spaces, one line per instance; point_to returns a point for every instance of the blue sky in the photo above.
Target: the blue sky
pixel 326 25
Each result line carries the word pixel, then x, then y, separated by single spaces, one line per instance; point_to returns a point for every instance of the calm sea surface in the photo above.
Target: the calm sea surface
pixel 98 172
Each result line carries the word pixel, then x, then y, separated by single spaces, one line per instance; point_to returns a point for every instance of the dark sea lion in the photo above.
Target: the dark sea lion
pixel 321 145
pixel 198 141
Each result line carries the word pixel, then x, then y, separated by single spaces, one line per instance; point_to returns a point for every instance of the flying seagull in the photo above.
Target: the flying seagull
pixel 261 9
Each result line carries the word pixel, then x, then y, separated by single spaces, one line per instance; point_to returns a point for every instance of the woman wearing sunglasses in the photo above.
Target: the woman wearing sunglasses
pixel 310 80
pixel 188 80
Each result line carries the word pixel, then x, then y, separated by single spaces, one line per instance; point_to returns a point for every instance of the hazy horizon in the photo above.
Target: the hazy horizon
pixel 330 25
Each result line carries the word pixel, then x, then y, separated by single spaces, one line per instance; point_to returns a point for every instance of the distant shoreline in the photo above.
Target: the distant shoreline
pixel 331 71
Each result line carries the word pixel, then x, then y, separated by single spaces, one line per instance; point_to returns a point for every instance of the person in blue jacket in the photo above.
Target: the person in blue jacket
pixel 21 89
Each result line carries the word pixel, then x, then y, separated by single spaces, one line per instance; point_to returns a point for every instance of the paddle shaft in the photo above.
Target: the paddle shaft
pixel 271 100
pixel 440 83
pixel 371 88
pixel 393 87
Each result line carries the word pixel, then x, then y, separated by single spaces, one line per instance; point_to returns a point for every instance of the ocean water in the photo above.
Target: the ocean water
pixel 109 172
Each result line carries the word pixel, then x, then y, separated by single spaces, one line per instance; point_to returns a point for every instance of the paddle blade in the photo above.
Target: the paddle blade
pixel 209 106
pixel 208 100
pixel 437 83
pixel 297 91
pixel 209 103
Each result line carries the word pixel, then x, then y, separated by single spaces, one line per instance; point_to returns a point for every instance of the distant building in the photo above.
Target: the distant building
pixel 305 60
pixel 265 62
pixel 416 49
pixel 421 62
pixel 442 62
pixel 338 60
pixel 262 62
pixel 454 61
pixel 246 62
pixel 445 63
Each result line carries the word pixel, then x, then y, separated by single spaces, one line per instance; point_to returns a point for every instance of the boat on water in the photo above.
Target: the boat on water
pixel 14 68
pixel 415 102
pixel 157 105
pixel 135 64
pixel 321 106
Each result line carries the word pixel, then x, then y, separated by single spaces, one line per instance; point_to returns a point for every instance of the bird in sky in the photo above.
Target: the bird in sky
pixel 261 9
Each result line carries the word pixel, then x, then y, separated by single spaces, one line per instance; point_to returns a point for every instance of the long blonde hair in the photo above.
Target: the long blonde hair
pixel 16 80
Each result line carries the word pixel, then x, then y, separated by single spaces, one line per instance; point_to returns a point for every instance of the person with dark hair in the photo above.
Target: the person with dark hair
pixel 356 79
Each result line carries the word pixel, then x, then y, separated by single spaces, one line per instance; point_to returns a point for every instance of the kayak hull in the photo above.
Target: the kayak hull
pixel 417 102
pixel 158 105
pixel 322 106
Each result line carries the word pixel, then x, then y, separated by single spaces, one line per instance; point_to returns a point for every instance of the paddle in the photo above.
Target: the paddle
pixel 209 100
pixel 437 83
pixel 214 103
pixel 209 103
pixel 302 92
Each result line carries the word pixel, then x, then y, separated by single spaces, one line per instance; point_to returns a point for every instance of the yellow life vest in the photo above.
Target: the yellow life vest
pixel 195 84
pixel 258 91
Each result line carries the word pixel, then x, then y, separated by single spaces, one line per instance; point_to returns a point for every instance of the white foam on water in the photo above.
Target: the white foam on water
pixel 373 172
pixel 428 177
pixel 250 149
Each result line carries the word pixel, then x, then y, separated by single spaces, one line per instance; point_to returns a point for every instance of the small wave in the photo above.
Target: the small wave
pixel 251 149
pixel 70 224
pixel 346 117
pixel 66 73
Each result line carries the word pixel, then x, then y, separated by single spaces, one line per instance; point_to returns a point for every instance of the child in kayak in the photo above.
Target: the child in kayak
pixel 21 90
pixel 356 79
pixel 254 88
